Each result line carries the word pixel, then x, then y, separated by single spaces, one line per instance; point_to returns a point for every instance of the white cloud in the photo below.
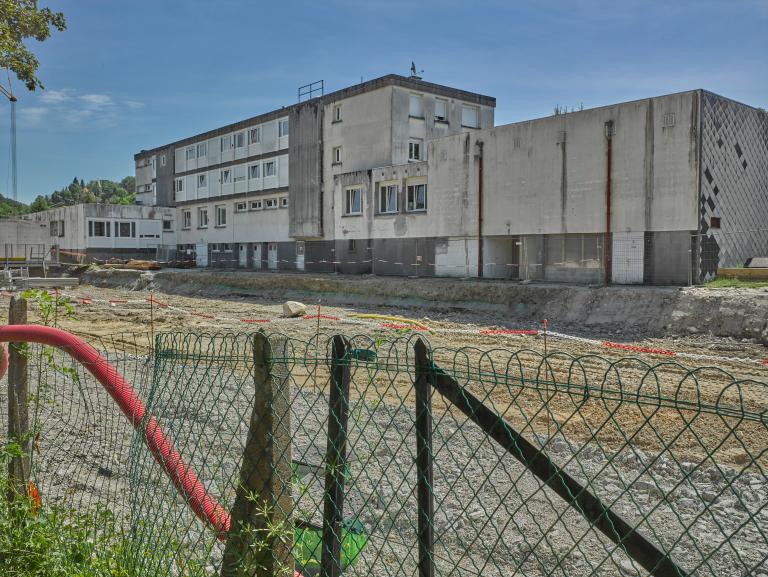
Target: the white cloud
pixel 66 108
pixel 32 115
pixel 96 100
pixel 56 96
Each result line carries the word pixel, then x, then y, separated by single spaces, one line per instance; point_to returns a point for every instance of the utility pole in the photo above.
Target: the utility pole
pixel 14 178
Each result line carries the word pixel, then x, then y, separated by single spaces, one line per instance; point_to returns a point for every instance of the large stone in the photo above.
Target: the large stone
pixel 294 309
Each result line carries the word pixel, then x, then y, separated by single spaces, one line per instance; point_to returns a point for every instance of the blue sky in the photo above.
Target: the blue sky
pixel 134 74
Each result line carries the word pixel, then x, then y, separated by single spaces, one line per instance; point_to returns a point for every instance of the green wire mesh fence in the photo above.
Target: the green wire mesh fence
pixel 365 457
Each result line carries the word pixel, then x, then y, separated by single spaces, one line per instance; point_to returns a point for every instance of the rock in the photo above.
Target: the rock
pixel 627 567
pixel 294 309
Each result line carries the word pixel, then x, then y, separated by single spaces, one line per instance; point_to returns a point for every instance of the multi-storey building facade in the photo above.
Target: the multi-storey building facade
pixel 260 193
pixel 400 176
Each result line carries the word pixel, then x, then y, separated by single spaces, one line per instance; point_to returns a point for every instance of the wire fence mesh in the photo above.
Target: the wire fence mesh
pixel 677 453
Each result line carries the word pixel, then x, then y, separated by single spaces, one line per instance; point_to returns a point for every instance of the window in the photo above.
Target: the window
pixel 387 198
pixel 416 107
pixel 337 113
pixel 226 176
pixel 269 168
pixel 202 180
pixel 162 160
pixel 282 128
pixel 167 225
pixel 354 201
pixel 202 149
pixel 337 155
pixel 352 245
pixel 191 153
pixel 414 149
pixel 669 119
pixel 186 219
pixel 241 206
pixel 270 203
pixel 123 229
pixel 714 222
pixel 470 117
pixel 226 143
pixel 178 185
pixel 255 205
pixel 240 171
pixel 417 197
pixel 254 171
pixel 221 215
pixel 99 228
pixel 239 139
pixel 441 110
pixel 202 218
pixel 284 202
pixel 254 135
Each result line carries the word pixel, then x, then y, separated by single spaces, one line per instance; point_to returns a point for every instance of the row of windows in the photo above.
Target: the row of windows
pixel 387 199
pixel 236 140
pixel 237 173
pixel 103 228
pixel 220 211
pixel 415 151
pixel 470 115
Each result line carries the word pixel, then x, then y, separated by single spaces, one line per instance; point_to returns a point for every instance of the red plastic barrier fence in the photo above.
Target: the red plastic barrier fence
pixel 509 332
pixel 637 349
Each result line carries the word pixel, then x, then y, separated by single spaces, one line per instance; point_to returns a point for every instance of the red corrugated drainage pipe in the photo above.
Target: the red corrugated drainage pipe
pixel 183 477
pixel 3 360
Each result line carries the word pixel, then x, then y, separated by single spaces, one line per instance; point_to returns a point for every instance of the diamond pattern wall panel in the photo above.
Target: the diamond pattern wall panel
pixel 734 184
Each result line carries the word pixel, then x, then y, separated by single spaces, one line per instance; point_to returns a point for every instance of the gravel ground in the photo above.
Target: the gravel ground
pixel 492 517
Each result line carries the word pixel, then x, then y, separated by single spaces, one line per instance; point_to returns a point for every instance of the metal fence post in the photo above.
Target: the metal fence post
pixel 260 536
pixel 19 469
pixel 335 459
pixel 424 470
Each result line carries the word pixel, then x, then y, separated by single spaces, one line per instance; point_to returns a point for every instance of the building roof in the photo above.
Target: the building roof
pixel 409 82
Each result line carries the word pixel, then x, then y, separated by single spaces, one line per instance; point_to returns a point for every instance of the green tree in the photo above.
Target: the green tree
pixel 129 184
pixel 19 20
pixel 40 203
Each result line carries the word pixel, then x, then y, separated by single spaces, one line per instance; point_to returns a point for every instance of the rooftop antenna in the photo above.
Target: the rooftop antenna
pixel 14 178
pixel 415 75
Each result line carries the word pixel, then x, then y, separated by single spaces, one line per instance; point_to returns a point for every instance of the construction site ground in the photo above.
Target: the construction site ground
pixel 726 324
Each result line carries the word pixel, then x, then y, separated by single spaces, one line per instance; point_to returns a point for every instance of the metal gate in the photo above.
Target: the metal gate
pixel 628 258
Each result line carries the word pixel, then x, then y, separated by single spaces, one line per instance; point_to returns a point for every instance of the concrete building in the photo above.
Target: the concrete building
pixel 84 232
pixel 24 243
pixel 259 193
pixel 401 176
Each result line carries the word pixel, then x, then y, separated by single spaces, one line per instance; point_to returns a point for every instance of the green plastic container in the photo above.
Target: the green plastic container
pixel 308 544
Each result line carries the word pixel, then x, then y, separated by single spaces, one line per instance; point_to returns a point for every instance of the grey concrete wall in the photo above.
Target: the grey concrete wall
pixel 22 231
pixel 404 256
pixel 319 256
pixel 305 171
pixel 549 176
